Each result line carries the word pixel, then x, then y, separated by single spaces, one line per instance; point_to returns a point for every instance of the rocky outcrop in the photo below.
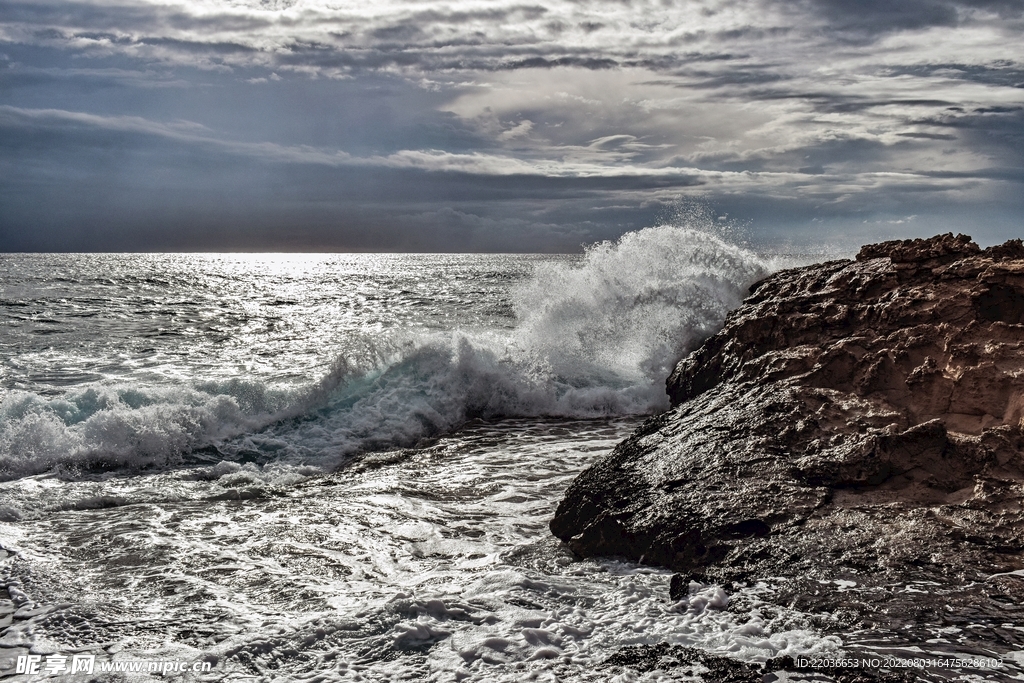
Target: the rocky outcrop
pixel 857 422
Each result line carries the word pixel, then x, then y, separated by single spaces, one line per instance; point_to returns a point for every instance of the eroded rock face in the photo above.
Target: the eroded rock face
pixel 855 420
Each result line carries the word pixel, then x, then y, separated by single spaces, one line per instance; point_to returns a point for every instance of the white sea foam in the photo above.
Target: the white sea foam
pixel 595 338
pixel 439 567
pixel 635 306
pixel 106 427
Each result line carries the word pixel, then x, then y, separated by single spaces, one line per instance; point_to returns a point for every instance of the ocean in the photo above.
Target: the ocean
pixel 320 467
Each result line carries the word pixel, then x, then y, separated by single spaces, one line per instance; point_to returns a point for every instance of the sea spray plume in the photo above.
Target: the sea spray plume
pixel 593 340
pixel 633 307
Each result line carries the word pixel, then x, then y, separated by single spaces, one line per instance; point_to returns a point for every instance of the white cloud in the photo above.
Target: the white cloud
pixel 803 101
pixel 521 129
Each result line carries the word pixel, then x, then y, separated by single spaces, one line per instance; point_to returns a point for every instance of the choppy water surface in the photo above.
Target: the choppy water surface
pixel 427 564
pixel 69 320
pixel 342 467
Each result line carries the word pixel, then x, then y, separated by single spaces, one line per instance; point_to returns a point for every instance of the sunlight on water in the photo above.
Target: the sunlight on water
pixel 344 465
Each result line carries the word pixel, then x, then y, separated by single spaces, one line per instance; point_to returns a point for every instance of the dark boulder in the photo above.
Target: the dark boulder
pixel 853 421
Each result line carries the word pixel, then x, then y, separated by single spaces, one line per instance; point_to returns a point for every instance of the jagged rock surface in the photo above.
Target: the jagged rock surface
pixel 857 421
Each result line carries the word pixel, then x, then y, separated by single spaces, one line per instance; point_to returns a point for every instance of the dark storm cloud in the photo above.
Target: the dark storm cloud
pixel 304 124
pixel 73 77
pixel 53 21
pixel 875 17
pixel 927 136
pixel 999 73
pixel 195 197
pixel 753 75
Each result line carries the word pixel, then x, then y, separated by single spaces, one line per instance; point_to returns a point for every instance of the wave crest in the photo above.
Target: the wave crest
pixel 634 307
pixel 596 338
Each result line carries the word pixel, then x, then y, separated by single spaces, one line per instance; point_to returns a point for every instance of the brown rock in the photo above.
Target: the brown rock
pixel 856 420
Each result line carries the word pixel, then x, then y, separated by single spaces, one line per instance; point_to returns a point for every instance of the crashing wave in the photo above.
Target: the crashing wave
pixel 593 338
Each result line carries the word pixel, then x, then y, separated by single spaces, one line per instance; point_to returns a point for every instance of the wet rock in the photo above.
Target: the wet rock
pixel 669 658
pixel 854 423
pixel 9 659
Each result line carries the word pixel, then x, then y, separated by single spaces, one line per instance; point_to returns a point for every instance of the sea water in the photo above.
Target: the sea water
pixel 342 466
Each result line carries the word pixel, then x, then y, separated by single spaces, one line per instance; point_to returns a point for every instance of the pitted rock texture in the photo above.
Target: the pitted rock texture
pixel 853 421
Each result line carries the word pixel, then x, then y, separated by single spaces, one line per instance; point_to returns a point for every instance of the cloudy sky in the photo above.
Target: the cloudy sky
pixel 494 125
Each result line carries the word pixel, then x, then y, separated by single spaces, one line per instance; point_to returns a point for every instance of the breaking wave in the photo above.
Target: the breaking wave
pixel 594 338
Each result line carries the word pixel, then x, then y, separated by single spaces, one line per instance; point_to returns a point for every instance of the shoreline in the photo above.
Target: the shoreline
pixel 854 428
